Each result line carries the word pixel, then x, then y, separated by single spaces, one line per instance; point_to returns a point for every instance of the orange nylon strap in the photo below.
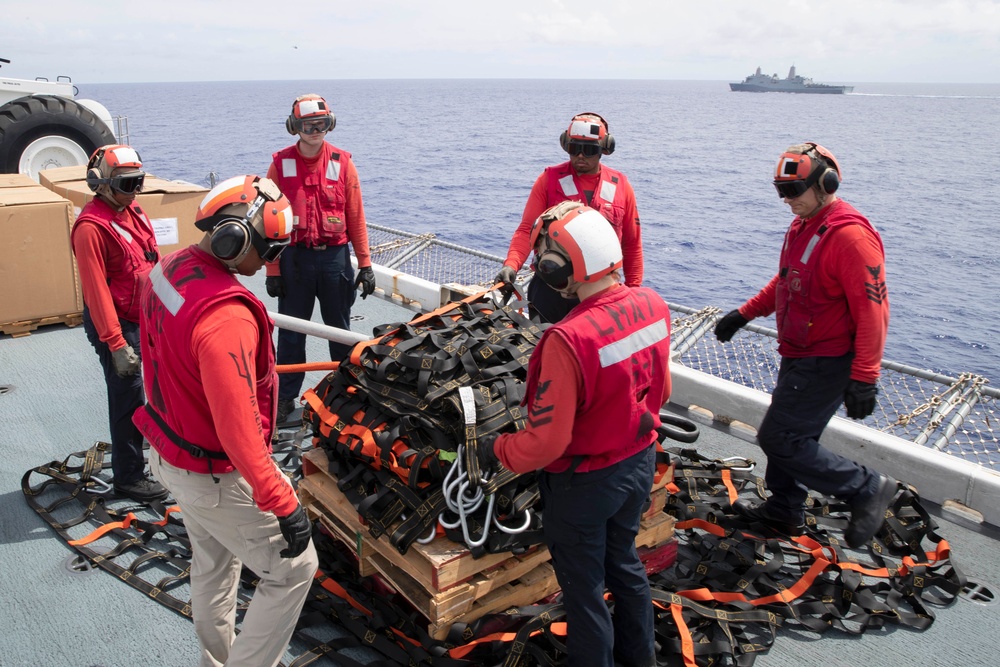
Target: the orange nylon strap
pixel 327 419
pixel 687 645
pixel 727 479
pixel 311 366
pixel 103 530
pixel 557 628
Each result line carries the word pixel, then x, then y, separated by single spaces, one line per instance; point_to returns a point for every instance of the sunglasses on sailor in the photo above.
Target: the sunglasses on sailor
pixel 590 149
pixel 791 189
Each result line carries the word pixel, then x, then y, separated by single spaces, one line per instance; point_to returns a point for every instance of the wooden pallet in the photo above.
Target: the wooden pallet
pixel 25 327
pixel 441 579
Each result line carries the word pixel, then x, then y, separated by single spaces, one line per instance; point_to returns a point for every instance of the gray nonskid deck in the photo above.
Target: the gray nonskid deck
pixel 51 617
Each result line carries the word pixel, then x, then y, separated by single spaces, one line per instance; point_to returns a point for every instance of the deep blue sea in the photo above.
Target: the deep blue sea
pixel 458 158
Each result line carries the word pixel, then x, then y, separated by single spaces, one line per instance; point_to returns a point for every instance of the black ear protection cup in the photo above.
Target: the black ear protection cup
pixel 607 144
pixel 94 179
pixel 230 240
pixel 827 179
pixel 93 174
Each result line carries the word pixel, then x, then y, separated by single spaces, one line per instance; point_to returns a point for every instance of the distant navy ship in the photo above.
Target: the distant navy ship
pixel 793 83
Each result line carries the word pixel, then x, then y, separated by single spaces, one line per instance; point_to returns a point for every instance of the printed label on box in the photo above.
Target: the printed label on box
pixel 166 231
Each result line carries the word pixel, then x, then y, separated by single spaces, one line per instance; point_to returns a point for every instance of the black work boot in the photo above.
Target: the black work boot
pixel 142 490
pixel 868 514
pixel 286 406
pixel 762 514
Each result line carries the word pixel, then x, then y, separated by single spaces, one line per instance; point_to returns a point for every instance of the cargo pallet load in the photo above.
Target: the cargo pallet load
pixel 442 579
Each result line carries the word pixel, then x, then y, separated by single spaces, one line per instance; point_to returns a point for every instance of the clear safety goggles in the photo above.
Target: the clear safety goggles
pixel 317 125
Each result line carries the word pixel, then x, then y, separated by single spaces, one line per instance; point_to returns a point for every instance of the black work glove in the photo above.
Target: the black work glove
pixel 859 399
pixel 126 362
pixel 730 323
pixel 275 286
pixel 480 459
pixel 366 278
pixel 297 531
pixel 507 276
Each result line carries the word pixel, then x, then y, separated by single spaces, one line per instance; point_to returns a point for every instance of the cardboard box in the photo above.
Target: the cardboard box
pixel 170 205
pixel 16 181
pixel 37 267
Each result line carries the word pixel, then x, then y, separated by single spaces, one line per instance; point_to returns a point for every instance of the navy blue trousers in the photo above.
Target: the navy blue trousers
pixel 806 396
pixel 326 275
pixel 125 396
pixel 547 305
pixel 590 521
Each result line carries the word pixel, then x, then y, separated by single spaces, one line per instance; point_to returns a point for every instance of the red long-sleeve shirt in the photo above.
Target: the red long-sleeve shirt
pixel 842 273
pixel 520 243
pixel 224 339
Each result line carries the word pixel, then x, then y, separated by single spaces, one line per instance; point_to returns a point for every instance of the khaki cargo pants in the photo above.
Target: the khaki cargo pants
pixel 227 530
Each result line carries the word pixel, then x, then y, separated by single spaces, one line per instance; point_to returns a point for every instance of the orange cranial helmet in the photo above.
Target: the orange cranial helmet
pixel 115 168
pixel 310 107
pixel 588 128
pixel 243 212
pixel 804 166
pixel 574 244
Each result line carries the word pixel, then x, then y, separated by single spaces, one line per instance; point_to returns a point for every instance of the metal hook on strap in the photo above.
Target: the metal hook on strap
pixel 750 465
pixel 98 486
pixel 514 531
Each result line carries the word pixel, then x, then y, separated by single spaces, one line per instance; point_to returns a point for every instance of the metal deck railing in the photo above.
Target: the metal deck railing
pixel 956 415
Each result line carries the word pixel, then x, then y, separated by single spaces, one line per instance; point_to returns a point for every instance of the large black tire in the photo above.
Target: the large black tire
pixel 26 119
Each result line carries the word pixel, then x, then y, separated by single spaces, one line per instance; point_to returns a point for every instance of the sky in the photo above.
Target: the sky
pixel 842 41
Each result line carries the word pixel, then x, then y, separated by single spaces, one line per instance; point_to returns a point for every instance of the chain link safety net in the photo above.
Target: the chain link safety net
pixel 956 415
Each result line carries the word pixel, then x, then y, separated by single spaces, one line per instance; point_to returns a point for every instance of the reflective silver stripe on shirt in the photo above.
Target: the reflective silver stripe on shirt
pixel 162 288
pixel 568 186
pixel 288 169
pixel 649 335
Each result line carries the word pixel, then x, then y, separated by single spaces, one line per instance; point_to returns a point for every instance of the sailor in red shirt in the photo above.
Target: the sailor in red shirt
pixel 596 382
pixel 582 179
pixel 212 389
pixel 832 309
pixel 321 182
pixel 115 248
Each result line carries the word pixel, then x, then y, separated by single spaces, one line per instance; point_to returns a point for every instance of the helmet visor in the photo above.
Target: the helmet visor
pixel 127 183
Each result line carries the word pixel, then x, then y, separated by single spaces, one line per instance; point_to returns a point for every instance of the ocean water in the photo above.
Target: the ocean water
pixel 458 158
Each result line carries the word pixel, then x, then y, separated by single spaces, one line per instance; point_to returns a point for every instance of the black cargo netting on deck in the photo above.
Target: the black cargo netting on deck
pixel 734 588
